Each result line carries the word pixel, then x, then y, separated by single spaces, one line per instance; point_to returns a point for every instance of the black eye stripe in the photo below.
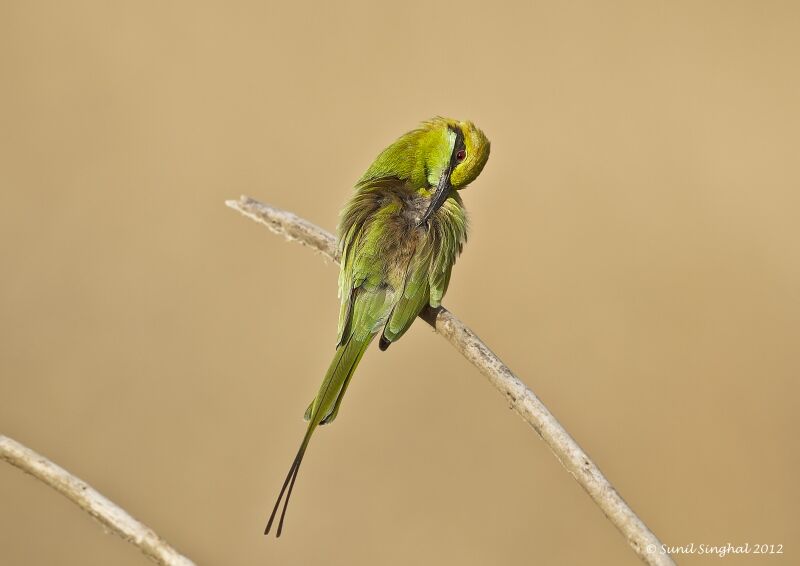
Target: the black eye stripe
pixel 458 146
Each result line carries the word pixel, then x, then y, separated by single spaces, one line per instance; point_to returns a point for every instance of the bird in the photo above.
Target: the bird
pixel 398 236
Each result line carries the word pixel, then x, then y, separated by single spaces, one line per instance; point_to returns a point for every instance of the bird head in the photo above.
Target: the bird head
pixel 441 155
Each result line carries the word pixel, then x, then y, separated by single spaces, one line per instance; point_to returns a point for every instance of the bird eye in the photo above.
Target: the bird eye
pixel 461 155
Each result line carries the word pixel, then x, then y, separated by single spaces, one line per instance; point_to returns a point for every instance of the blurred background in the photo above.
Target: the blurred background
pixel 634 257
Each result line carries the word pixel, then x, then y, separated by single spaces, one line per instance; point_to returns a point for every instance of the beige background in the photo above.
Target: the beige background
pixel 634 256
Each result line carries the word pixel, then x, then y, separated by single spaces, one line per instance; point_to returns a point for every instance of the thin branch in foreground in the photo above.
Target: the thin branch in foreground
pixel 102 509
pixel 527 405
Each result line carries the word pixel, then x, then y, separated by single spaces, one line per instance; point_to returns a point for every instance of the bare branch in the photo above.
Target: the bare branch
pixel 79 492
pixel 643 541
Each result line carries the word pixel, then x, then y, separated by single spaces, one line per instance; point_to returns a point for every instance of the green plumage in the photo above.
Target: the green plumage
pixel 399 236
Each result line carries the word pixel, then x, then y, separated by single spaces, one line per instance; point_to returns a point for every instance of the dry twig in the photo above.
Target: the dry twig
pixel 643 541
pixel 103 510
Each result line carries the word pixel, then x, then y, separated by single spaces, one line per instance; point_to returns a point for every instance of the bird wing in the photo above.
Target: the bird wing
pixel 359 266
pixel 450 235
pixel 413 297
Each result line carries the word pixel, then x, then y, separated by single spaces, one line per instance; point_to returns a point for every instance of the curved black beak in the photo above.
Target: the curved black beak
pixel 441 194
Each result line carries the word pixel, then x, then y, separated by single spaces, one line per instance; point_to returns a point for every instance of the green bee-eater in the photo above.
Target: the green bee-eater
pixel 399 236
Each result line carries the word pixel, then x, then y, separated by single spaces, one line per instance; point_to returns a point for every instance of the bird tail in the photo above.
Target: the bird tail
pixel 322 410
pixel 341 370
pixel 289 482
